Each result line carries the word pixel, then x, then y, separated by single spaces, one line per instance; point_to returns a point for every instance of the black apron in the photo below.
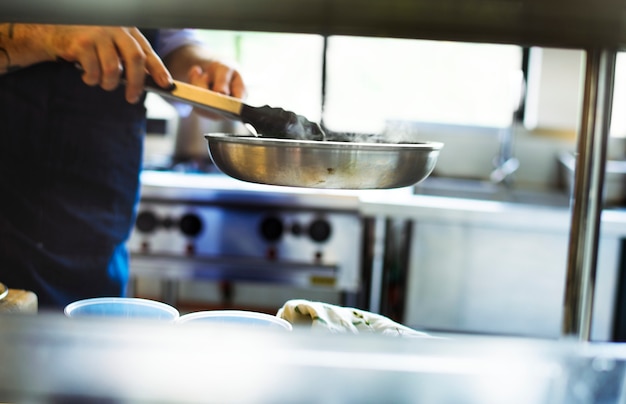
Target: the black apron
pixel 70 158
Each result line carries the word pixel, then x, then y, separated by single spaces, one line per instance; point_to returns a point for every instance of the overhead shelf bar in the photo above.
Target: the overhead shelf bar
pixel 554 23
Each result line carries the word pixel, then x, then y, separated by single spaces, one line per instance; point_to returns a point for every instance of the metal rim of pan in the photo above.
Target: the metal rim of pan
pixel 253 140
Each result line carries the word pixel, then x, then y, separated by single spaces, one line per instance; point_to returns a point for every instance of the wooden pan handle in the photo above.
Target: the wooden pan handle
pixel 199 97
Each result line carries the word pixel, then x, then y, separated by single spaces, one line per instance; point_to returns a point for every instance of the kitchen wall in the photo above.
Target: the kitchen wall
pixel 470 152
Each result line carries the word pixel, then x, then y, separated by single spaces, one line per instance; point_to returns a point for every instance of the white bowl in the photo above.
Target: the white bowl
pixel 236 318
pixel 126 307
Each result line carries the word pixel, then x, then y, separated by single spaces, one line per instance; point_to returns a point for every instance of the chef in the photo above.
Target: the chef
pixel 71 148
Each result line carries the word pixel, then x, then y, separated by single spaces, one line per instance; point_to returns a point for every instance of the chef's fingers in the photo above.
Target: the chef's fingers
pixel 228 81
pixel 133 57
pixel 95 49
pixel 220 76
pixel 237 86
pixel 90 64
pixel 224 79
pixel 153 63
pixel 110 64
pixel 198 77
pixel 76 44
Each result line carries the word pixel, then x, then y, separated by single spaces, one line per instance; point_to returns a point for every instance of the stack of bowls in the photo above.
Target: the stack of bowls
pixel 137 308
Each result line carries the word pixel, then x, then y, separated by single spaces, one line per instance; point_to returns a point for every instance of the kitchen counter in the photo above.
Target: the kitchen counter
pixel 485 212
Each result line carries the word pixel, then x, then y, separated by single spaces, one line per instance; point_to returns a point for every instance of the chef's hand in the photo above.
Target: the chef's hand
pixel 194 65
pixel 105 53
pixel 218 77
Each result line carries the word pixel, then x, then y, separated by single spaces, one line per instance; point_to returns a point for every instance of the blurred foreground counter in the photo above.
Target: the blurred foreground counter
pixel 50 358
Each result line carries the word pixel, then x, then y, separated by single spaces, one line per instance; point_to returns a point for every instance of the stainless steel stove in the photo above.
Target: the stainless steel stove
pixel 207 226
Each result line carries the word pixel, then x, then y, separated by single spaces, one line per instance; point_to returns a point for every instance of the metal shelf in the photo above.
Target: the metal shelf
pixel 555 23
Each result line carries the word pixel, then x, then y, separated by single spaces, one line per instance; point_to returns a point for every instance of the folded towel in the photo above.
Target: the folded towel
pixel 338 319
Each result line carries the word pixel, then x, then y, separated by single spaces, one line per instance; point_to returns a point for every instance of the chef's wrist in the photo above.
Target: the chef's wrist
pixel 22 45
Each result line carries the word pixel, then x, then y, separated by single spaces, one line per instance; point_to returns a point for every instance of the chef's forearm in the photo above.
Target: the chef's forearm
pixel 22 45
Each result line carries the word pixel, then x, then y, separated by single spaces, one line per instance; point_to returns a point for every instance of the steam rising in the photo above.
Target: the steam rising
pixel 280 123
pixel 397 134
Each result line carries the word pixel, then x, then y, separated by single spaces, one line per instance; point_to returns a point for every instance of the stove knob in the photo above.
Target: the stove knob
pixel 190 224
pixel 296 229
pixel 319 230
pixel 168 223
pixel 271 228
pixel 146 222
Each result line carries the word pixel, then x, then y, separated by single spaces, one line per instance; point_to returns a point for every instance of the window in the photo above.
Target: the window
pixel 373 80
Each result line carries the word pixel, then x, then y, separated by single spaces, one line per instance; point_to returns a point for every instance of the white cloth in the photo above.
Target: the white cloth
pixel 338 319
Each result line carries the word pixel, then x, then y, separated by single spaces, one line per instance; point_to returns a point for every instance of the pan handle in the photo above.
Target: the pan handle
pixel 200 97
pixel 225 105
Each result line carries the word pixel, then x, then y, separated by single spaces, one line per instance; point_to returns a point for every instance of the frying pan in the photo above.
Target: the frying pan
pixel 322 164
pixel 289 150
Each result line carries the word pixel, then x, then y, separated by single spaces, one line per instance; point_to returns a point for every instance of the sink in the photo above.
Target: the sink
pixel 488 191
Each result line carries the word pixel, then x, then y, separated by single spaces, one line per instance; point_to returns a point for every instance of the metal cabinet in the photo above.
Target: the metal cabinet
pixel 479 278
